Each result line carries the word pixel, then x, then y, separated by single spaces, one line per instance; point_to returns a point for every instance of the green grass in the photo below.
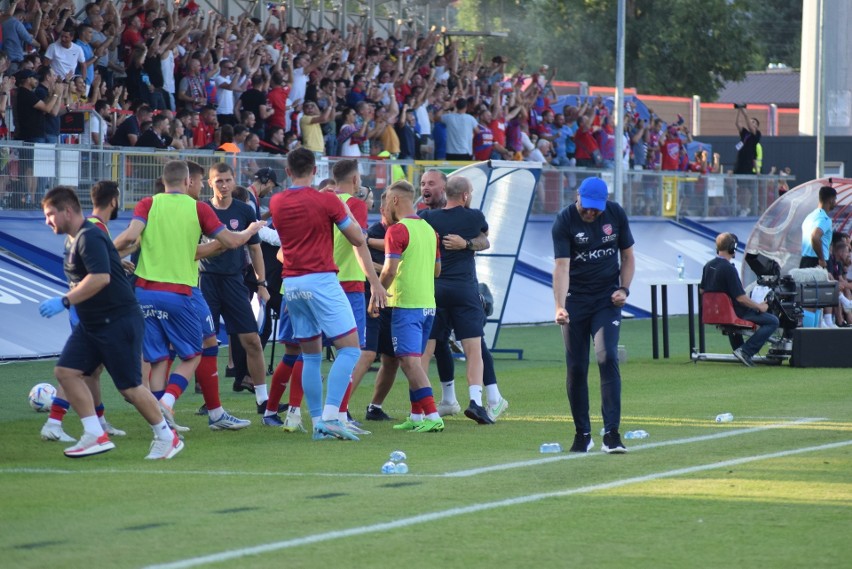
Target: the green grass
pixel 230 491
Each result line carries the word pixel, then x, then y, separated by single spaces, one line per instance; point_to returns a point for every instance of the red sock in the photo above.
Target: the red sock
pixel 296 392
pixel 344 404
pixel 57 412
pixel 416 408
pixel 278 385
pixel 207 376
pixel 427 404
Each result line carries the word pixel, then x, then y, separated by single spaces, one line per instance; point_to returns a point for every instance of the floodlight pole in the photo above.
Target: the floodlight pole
pixel 618 106
pixel 820 114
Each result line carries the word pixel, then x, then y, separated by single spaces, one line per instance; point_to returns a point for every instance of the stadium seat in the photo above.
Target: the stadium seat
pixel 718 310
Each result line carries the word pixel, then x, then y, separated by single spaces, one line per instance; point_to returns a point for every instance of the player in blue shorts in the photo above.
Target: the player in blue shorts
pixel 305 220
pixel 107 308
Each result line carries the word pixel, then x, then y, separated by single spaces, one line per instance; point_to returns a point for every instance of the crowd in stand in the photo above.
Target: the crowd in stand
pixel 174 77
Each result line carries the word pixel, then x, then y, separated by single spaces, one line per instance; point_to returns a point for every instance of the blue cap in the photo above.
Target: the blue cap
pixel 593 193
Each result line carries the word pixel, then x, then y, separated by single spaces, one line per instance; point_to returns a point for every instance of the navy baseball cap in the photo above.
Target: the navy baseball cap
pixel 593 193
pixel 265 175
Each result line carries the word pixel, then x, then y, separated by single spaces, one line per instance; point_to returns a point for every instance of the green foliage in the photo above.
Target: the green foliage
pixel 673 47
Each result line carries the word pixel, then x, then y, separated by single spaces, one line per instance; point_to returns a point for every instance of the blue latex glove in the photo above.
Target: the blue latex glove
pixel 51 307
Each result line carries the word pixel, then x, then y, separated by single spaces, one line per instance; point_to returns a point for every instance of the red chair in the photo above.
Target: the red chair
pixel 718 310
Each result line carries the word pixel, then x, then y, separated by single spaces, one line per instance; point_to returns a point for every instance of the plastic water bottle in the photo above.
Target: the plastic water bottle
pixel 640 434
pixel 398 456
pixel 401 468
pixel 389 468
pixel 680 267
pixel 724 418
pixel 549 448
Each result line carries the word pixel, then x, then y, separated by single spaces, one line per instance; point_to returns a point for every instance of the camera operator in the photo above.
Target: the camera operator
pixel 747 146
pixel 720 276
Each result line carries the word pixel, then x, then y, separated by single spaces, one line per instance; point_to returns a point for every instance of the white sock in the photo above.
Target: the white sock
pixel 216 414
pixel 260 393
pixel 341 416
pixel 433 416
pixel 475 394
pixel 162 431
pixel 92 426
pixel 329 412
pixel 314 421
pixel 493 394
pixel 375 406
pixel 416 417
pixel 54 421
pixel 297 411
pixel 448 391
pixel 168 400
pixel 845 302
pixel 103 421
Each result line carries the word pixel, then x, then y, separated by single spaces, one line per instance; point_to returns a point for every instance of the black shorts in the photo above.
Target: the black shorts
pixel 459 310
pixel 228 297
pixel 378 333
pixel 117 345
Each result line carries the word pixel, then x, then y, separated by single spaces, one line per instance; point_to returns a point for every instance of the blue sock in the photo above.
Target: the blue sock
pixel 290 359
pixel 312 382
pixel 338 376
pixel 159 394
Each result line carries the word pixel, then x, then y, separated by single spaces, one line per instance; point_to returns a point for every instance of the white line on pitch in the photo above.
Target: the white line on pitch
pixel 456 474
pixel 696 439
pixel 453 512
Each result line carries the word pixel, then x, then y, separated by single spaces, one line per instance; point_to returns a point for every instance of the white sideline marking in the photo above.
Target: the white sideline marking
pixel 456 474
pixel 696 439
pixel 430 517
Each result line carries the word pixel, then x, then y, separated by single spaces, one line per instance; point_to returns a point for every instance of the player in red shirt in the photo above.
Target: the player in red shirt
pixel 305 220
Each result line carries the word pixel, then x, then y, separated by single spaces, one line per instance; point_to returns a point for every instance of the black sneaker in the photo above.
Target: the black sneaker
pixel 612 443
pixel 202 410
pixel 743 357
pixel 198 388
pixel 261 407
pixel 377 414
pixel 243 385
pixel 582 443
pixel 352 421
pixel 230 372
pixel 478 414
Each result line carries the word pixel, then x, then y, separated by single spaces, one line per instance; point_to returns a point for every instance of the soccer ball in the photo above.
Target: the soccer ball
pixel 41 397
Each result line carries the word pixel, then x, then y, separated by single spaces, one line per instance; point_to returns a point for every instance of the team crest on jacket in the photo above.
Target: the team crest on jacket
pixel 607 229
pixel 234 223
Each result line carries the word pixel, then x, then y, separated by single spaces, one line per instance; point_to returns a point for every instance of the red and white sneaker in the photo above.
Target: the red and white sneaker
pixel 90 445
pixel 164 450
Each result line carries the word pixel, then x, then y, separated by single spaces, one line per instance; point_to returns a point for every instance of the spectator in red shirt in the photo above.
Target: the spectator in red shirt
pixel 585 143
pixel 670 149
pixel 205 135
pixel 277 100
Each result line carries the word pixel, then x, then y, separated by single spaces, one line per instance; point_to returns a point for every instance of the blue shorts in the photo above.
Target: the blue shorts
pixel 203 311
pixel 318 305
pixel 410 329
pixel 377 332
pixel 459 310
pixel 228 297
pixel 285 328
pixel 359 311
pixel 170 318
pixel 116 345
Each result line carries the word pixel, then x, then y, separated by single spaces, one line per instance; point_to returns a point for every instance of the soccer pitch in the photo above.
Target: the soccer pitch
pixel 771 489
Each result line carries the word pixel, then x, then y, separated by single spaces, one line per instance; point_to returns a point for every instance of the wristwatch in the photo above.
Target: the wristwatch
pixel 468 244
pixel 625 289
pixel 262 283
pixel 66 303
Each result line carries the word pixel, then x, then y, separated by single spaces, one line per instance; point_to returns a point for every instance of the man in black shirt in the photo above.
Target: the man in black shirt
pixel 109 332
pixel 51 90
pixel 589 288
pixel 456 290
pixel 747 146
pixel 719 275
pixel 127 133
pixel 156 136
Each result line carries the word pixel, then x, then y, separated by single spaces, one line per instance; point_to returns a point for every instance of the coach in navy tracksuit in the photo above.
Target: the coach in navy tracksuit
pixel 590 287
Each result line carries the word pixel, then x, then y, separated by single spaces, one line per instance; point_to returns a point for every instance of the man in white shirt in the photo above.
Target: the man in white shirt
pixel 227 82
pixel 64 55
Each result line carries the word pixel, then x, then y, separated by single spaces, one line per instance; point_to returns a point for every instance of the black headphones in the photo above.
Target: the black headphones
pixel 732 248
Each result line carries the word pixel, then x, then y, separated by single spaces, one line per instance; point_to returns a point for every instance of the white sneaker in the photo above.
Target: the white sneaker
pixel 164 450
pixel 90 445
pixel 54 432
pixel 498 409
pixel 228 423
pixel 293 421
pixel 112 431
pixel 169 416
pixel 445 408
pixel 353 428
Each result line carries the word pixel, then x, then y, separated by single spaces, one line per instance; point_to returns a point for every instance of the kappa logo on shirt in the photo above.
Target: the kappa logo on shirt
pixel 616 323
pixel 581 238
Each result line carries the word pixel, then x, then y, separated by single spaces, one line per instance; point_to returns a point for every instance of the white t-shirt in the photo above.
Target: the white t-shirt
pixel 167 65
pixel 64 61
pixel 300 85
pixel 422 115
pixel 224 97
pixel 97 126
